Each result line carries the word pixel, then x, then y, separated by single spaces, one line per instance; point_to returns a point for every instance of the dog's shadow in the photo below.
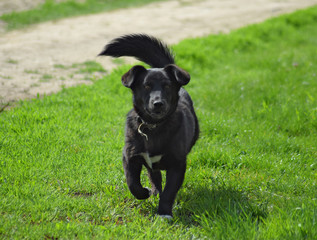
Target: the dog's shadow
pixel 219 202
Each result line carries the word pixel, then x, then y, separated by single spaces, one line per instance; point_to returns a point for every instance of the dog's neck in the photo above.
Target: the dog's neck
pixel 144 125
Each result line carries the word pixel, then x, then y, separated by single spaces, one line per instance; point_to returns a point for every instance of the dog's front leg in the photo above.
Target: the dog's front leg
pixel 174 180
pixel 132 169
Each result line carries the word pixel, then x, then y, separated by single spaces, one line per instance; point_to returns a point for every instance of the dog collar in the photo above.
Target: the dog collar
pixel 144 125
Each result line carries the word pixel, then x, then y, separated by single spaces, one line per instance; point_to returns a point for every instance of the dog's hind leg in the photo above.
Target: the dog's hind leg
pixel 156 181
pixel 132 170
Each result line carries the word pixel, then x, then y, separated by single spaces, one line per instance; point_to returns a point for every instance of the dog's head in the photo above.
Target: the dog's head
pixel 155 90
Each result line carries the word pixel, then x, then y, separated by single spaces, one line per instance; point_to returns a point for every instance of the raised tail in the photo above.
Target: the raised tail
pixel 143 47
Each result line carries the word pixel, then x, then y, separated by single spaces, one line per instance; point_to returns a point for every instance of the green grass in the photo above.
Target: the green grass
pixel 251 175
pixel 52 10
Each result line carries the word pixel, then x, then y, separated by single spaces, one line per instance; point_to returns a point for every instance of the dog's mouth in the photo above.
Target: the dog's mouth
pixel 157 114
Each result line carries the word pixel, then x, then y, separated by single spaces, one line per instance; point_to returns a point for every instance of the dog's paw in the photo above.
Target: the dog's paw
pixel 150 191
pixel 155 192
pixel 142 193
pixel 168 217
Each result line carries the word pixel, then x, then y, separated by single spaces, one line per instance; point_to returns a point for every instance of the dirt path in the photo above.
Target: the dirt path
pixel 38 59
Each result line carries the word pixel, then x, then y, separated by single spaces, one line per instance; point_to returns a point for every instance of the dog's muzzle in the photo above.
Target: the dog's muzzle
pixel 158 109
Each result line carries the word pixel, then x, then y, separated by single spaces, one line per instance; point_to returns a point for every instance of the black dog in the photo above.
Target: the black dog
pixel 162 127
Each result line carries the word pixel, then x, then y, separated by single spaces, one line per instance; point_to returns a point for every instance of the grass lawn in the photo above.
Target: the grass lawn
pixel 251 175
pixel 52 10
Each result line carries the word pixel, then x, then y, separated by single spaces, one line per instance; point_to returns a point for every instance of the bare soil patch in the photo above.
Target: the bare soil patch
pixel 39 60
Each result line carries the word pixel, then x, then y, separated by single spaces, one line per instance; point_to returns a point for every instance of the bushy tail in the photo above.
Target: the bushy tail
pixel 145 48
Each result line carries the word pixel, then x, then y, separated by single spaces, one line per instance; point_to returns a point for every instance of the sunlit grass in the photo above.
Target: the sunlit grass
pixel 251 175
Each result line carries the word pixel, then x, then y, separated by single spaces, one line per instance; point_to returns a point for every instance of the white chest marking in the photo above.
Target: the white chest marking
pixel 150 160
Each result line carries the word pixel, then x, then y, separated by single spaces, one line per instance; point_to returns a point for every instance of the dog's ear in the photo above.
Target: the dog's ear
pixel 181 76
pixel 129 77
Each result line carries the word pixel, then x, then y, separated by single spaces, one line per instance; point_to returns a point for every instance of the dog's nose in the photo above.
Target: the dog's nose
pixel 158 103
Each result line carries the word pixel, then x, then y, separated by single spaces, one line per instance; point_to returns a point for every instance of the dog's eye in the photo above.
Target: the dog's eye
pixel 167 86
pixel 147 87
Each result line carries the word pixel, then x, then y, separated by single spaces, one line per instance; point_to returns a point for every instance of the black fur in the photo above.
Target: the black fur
pixel 162 127
pixel 143 47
